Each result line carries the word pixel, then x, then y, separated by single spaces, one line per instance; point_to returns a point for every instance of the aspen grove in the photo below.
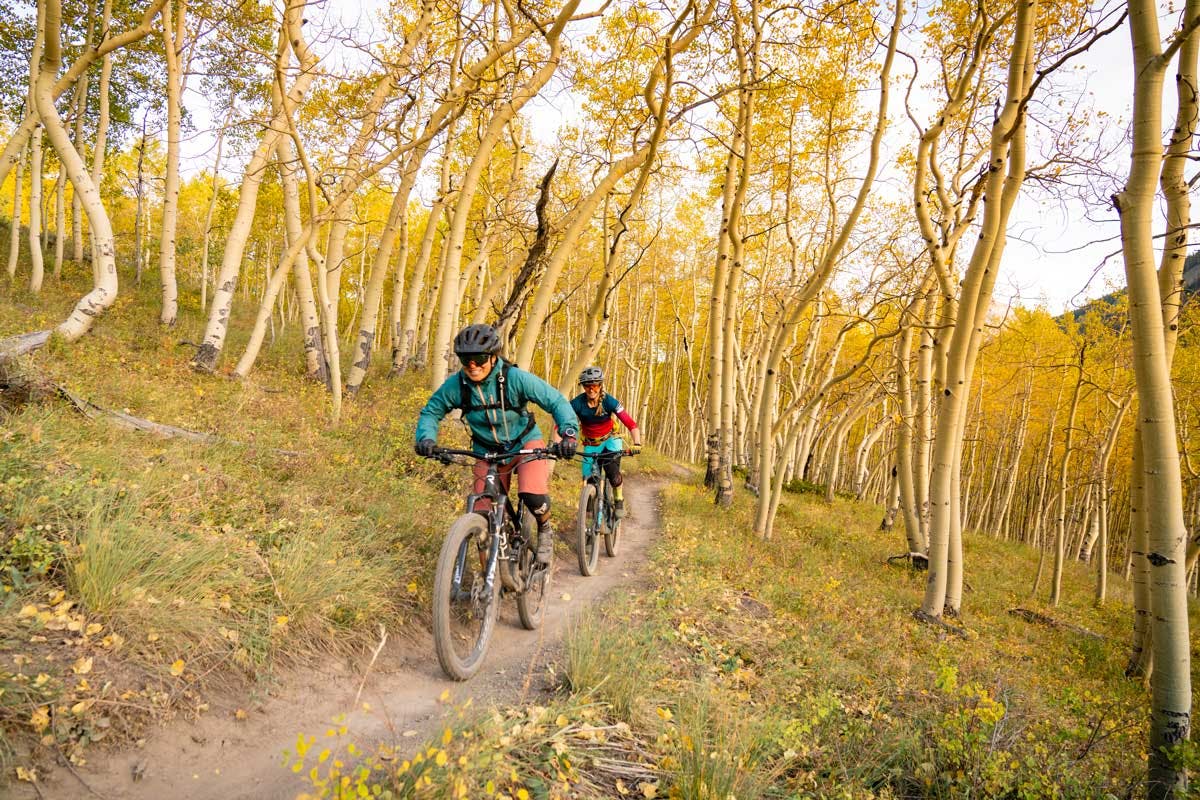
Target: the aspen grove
pixel 783 231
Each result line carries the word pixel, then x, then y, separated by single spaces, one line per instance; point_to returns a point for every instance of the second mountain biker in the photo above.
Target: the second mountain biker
pixel 492 395
pixel 596 408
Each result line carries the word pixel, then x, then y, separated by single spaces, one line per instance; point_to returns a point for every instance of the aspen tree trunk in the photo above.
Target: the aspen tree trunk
pixel 14 235
pixel 95 302
pixel 1170 717
pixel 206 357
pixel 316 365
pixel 173 31
pixel 925 413
pixel 35 159
pixel 470 183
pixel 1110 442
pixel 1170 287
pixel 103 116
pixel 742 148
pixel 1015 462
pixel 1061 503
pixel 80 109
pixel 863 454
pixel 212 208
pixel 139 217
pixel 37 268
pixel 395 227
pixel 420 352
pixel 716 330
pixel 904 446
pixel 404 356
pixel 60 221
pixel 944 586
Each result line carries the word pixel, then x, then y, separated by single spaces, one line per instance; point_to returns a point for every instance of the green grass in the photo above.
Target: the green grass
pixel 795 668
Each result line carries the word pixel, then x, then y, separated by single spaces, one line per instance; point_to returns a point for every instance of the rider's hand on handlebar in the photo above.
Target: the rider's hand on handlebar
pixel 425 447
pixel 566 448
pixel 635 448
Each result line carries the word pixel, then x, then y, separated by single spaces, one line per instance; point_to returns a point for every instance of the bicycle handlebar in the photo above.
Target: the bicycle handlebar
pixel 606 454
pixel 444 453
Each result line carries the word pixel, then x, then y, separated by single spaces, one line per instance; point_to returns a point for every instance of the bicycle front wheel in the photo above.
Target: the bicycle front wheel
pixel 587 546
pixel 612 533
pixel 464 610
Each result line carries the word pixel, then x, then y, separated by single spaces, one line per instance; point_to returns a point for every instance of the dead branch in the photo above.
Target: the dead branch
pixel 1039 618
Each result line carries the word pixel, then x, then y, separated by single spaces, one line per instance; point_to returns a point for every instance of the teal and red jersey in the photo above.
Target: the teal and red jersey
pixel 596 424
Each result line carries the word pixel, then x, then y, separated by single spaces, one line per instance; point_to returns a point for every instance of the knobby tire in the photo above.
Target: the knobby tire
pixel 462 628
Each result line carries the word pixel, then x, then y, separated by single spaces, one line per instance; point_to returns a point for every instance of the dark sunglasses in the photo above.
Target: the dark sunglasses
pixel 477 359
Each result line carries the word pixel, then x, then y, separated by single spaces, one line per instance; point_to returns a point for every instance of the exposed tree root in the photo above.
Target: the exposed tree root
pixel 918 561
pixel 1050 622
pixel 929 619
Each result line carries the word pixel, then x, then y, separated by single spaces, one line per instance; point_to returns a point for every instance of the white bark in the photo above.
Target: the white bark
pixel 105 292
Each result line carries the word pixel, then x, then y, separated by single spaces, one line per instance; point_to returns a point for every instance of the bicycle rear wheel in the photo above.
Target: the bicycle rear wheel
pixel 464 615
pixel 587 546
pixel 612 532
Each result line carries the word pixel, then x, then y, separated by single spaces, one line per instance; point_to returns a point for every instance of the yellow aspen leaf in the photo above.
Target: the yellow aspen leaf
pixel 281 621
pixel 240 714
pixel 93 629
pixel 621 787
pixel 324 756
pixel 151 637
pixel 40 680
pixel 82 706
pixel 27 775
pixel 665 713
pixel 82 666
pixel 412 588
pixel 441 758
pixel 177 667
pixel 444 697
pixel 522 794
pixel 490 788
pixel 29 610
pixel 649 790
pixel 40 718
pixel 447 735
pixel 561 721
pixel 566 598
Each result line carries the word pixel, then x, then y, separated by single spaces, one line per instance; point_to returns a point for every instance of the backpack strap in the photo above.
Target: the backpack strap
pixel 501 404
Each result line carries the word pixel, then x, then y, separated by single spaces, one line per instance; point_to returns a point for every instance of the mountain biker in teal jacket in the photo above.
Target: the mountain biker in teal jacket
pixel 492 394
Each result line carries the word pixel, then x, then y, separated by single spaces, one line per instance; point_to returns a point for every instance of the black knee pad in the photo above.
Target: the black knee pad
pixel 538 504
pixel 612 468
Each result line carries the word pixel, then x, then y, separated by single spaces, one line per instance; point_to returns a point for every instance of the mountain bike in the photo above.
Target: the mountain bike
pixel 481 546
pixel 597 515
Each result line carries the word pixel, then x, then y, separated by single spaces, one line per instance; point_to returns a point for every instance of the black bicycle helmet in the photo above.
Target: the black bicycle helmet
pixel 591 375
pixel 475 339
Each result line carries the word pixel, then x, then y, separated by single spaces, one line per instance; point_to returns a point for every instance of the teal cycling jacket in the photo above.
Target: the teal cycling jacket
pixel 495 429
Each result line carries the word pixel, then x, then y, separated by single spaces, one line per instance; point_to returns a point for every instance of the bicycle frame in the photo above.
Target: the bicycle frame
pixel 502 511
pixel 600 479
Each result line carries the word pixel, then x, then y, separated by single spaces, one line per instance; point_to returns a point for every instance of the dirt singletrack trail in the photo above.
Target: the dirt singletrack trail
pixel 220 758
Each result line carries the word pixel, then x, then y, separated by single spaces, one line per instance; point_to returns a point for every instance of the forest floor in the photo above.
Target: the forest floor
pixel 402 697
pixel 177 608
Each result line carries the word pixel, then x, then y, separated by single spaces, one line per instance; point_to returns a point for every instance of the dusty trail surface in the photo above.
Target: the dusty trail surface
pixel 221 758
